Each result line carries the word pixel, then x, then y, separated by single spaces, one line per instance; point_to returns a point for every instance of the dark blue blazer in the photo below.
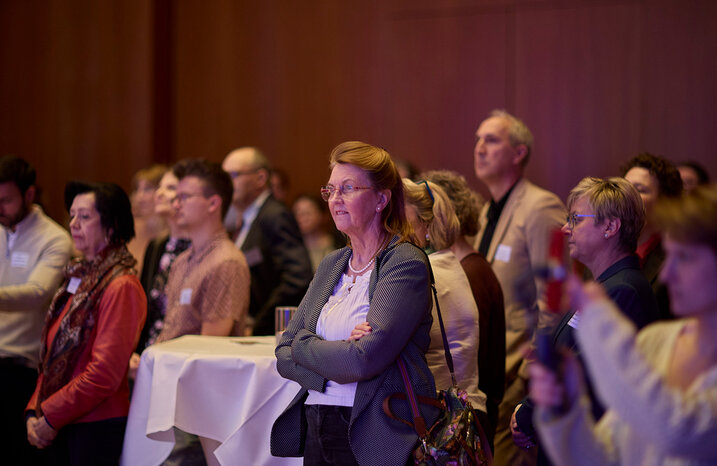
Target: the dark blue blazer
pixel 628 287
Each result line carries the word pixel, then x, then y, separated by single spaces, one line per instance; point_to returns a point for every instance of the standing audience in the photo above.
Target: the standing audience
pixel 654 177
pixel 34 249
pixel 486 292
pixel 430 213
pixel 268 236
pixel 604 222
pixel 648 396
pixel 80 404
pixel 147 224
pixel 368 305
pixel 208 285
pixel 693 174
pixel 158 259
pixel 659 384
pixel 207 290
pixel 515 239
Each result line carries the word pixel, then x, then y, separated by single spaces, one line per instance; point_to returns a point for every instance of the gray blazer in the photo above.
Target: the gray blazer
pixel 400 318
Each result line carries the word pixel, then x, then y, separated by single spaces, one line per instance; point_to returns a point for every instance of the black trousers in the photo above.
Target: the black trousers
pixel 327 436
pixel 17 382
pixel 88 443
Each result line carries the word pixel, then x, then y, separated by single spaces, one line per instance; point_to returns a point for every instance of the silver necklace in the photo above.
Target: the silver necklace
pixel 359 272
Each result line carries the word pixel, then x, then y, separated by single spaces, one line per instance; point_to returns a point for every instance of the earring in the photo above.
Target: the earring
pixel 605 235
pixel 378 209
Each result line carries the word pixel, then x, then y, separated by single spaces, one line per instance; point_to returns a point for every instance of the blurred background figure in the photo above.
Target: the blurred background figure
pixel 158 259
pixel 279 182
pixel 312 216
pixel 406 169
pixel 267 234
pixel 34 249
pixel 147 224
pixel 485 287
pixel 693 174
pixel 436 227
pixel 659 385
pixel 81 400
pixel 654 178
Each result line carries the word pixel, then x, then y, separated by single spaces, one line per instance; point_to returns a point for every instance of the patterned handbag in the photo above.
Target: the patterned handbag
pixel 456 438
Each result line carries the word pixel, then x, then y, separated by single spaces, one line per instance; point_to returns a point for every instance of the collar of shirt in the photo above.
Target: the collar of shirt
pixel 25 223
pixel 196 255
pixel 249 215
pixel 644 249
pixel 496 208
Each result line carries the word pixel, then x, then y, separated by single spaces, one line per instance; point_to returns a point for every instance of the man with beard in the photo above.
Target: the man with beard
pixel 34 250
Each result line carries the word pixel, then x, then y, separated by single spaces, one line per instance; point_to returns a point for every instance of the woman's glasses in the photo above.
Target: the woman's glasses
pixel 573 219
pixel 346 189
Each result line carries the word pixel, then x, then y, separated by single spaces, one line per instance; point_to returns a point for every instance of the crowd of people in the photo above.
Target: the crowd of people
pixel 209 249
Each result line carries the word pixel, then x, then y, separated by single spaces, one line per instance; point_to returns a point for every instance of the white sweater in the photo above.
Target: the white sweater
pixel 30 272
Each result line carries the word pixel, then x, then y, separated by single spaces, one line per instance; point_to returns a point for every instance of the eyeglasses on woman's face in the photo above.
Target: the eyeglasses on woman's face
pixel 573 219
pixel 346 190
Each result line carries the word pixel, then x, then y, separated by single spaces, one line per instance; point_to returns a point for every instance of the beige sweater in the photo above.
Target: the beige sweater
pixel 460 317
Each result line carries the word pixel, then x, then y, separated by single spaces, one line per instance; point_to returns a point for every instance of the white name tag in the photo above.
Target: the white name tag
pixel 19 259
pixel 73 285
pixel 574 320
pixel 185 296
pixel 503 253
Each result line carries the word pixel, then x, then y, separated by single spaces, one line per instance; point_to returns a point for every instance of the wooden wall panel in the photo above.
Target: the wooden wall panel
pixel 679 64
pixel 75 90
pixel 99 89
pixel 578 72
pixel 417 78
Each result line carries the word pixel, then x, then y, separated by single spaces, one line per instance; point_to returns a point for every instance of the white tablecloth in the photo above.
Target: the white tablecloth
pixel 226 389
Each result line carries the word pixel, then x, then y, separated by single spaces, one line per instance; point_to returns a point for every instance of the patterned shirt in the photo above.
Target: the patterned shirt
pixel 206 285
pixel 157 298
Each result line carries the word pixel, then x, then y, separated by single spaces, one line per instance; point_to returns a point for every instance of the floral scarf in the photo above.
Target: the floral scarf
pixel 58 360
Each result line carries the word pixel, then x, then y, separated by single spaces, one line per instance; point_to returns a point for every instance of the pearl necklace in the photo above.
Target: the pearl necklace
pixel 359 272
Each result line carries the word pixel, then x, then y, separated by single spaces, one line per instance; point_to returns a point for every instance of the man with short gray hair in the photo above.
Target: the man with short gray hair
pixel 515 239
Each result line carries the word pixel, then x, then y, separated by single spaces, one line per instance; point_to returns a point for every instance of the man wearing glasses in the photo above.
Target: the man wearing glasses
pixel 515 239
pixel 268 235
pixel 208 285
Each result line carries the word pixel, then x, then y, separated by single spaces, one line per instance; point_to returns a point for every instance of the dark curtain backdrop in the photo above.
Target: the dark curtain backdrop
pixel 97 90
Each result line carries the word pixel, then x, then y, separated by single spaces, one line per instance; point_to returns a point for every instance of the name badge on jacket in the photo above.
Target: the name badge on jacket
pixel 503 253
pixel 73 285
pixel 185 296
pixel 19 259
